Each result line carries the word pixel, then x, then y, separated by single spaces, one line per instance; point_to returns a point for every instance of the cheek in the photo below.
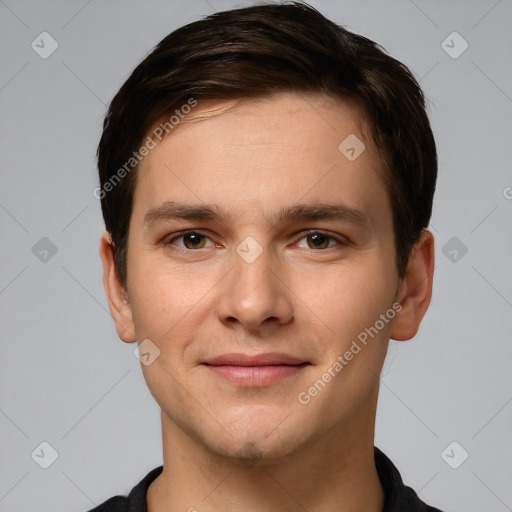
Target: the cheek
pixel 169 304
pixel 347 298
pixel 354 337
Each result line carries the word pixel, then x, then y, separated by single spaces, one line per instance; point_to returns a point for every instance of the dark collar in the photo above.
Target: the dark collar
pixel 399 497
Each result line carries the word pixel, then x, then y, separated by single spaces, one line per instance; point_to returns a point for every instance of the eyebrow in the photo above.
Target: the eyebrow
pixel 297 213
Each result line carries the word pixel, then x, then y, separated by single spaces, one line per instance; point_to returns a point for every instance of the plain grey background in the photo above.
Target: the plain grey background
pixel 67 380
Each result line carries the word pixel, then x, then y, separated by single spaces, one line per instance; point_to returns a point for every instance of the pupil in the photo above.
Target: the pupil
pixel 193 239
pixel 318 239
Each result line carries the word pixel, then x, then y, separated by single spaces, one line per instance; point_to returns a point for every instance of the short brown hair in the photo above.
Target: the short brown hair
pixel 255 52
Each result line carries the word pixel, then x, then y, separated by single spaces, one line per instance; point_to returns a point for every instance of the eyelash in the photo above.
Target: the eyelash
pixel 342 242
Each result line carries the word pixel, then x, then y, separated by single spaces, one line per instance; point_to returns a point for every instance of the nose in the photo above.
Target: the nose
pixel 254 294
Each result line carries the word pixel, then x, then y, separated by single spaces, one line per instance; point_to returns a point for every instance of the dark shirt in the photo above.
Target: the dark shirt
pixel 399 498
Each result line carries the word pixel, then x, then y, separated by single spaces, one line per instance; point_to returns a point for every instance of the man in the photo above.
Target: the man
pixel 266 181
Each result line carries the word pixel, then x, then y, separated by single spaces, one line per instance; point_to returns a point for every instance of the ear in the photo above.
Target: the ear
pixel 117 297
pixel 415 290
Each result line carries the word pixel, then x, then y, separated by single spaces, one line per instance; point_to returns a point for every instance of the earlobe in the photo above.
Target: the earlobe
pixel 118 303
pixel 416 290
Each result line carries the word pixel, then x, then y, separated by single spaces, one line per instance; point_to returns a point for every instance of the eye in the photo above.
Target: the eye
pixel 321 240
pixel 191 240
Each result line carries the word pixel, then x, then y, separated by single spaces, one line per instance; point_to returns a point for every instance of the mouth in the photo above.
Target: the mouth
pixel 255 371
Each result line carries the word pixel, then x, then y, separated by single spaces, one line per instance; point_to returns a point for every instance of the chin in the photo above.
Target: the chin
pixel 257 437
pixel 252 452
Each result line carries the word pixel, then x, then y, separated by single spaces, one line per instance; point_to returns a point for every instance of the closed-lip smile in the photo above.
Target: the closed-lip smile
pixel 257 370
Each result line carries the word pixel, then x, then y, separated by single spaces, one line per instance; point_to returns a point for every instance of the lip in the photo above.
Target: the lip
pixel 268 359
pixel 255 371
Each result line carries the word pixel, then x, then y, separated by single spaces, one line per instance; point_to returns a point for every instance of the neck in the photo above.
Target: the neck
pixel 335 472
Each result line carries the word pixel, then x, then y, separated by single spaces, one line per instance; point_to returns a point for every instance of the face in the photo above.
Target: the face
pixel 261 264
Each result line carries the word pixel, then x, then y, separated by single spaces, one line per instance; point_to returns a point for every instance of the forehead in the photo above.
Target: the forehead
pixel 261 153
pixel 286 116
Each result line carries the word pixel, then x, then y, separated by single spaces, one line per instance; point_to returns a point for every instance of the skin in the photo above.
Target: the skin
pixel 229 447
